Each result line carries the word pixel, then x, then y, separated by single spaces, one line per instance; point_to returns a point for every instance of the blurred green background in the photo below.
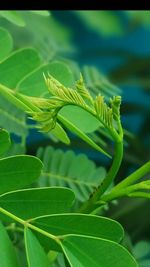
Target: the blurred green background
pixel 113 45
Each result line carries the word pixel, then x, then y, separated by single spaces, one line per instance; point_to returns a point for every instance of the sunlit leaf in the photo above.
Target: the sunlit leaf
pixel 80 118
pixel 34 84
pixel 18 65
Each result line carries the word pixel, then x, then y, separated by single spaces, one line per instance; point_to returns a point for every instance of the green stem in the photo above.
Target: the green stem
pixel 92 202
pixel 126 191
pixel 140 194
pixel 133 177
pixel 27 224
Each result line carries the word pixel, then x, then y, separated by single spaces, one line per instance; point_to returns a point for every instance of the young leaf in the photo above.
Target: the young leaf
pixel 36 256
pixel 88 225
pixel 97 82
pixel 4 141
pixel 95 252
pixel 18 171
pixel 67 96
pixel 30 203
pixel 6 43
pixel 8 257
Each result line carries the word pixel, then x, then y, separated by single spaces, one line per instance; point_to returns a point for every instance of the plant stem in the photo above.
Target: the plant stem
pixel 90 205
pixel 140 194
pixel 133 177
pixel 126 191
pixel 113 170
pixel 27 224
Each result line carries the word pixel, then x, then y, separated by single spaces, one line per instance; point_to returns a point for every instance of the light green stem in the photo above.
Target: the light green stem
pixel 133 177
pixel 140 194
pixel 126 191
pixel 113 170
pixel 92 202
pixel 27 224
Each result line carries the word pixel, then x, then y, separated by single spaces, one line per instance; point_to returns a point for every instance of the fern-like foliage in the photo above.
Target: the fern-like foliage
pixel 107 114
pixel 69 170
pixel 97 83
pixel 12 119
pixel 82 90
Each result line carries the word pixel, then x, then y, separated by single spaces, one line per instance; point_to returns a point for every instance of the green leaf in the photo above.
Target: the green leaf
pixel 17 65
pixel 60 261
pixel 6 43
pixel 21 256
pixel 60 169
pixel 4 141
pixel 8 257
pixel 60 133
pixel 12 118
pixel 30 203
pixel 13 17
pixel 81 224
pixel 36 257
pixel 80 118
pixel 18 171
pixel 34 84
pixel 15 149
pixel 81 134
pixel 95 252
